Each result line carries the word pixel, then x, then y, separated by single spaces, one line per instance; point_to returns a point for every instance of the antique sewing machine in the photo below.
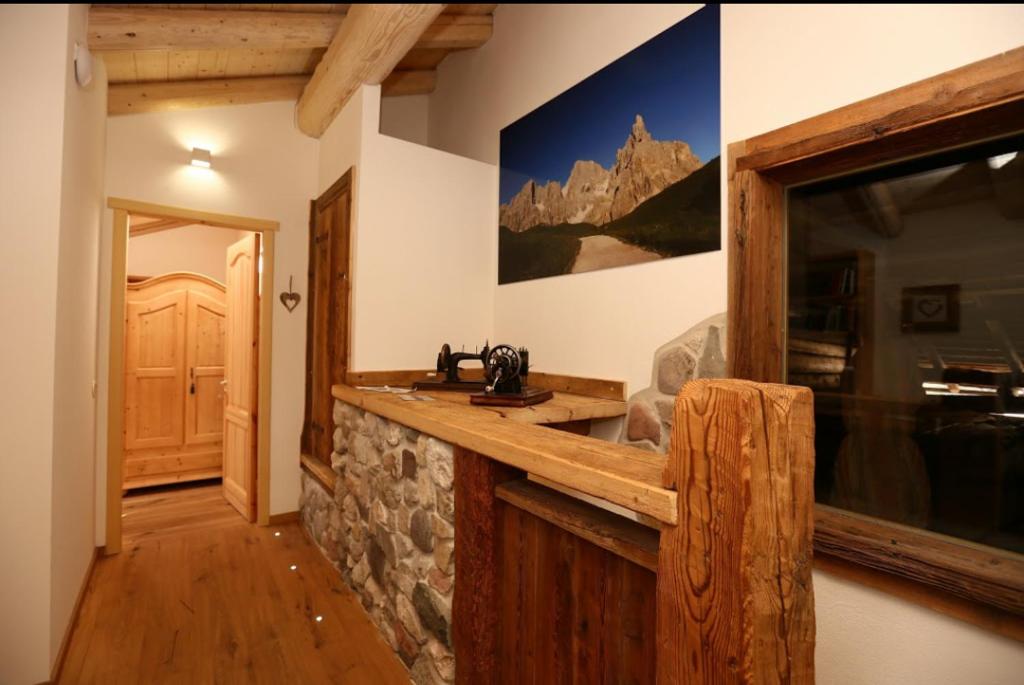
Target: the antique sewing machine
pixel 505 372
pixel 506 369
pixel 448 364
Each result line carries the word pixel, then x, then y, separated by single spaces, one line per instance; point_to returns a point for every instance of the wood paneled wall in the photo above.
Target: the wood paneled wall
pixel 571 612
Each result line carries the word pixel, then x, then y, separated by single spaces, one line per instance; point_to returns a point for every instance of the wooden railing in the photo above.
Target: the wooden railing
pixel 551 589
pixel 715 588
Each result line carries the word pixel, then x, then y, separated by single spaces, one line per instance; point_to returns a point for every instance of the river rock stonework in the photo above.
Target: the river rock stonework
pixel 697 353
pixel 389 530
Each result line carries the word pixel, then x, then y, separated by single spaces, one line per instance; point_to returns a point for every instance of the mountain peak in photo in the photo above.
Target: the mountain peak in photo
pixel 595 195
pixel 639 132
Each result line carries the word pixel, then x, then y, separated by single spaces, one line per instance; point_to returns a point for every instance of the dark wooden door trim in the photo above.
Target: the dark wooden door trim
pixel 340 296
pixel 965 106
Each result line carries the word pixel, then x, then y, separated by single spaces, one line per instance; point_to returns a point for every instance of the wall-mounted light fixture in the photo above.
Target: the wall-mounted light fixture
pixel 201 158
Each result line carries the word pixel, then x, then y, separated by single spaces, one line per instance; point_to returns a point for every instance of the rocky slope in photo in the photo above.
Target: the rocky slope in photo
pixel 681 219
pixel 595 195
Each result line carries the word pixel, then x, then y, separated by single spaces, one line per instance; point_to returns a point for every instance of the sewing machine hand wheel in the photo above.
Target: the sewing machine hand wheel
pixel 503 363
pixel 444 357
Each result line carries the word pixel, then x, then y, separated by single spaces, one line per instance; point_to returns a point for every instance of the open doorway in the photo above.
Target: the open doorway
pixel 189 361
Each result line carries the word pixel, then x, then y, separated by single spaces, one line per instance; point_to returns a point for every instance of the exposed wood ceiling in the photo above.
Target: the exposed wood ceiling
pixel 367 48
pixel 163 57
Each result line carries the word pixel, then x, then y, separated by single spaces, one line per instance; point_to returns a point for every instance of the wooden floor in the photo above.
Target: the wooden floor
pixel 201 596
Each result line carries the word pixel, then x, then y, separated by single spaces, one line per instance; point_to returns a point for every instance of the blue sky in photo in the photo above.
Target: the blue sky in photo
pixel 672 81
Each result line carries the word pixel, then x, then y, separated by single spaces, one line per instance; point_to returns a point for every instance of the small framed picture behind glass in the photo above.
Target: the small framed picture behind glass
pixel 931 309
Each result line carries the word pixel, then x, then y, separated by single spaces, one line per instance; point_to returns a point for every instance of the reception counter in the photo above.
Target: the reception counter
pixel 451 523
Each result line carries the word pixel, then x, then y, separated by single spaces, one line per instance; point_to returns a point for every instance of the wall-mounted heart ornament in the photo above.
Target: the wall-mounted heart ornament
pixel 290 299
pixel 929 307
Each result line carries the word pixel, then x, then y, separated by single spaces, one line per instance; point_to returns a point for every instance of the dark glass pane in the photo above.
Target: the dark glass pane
pixel 906 317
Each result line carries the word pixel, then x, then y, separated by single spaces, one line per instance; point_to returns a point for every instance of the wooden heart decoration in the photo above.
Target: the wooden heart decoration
pixel 929 307
pixel 290 299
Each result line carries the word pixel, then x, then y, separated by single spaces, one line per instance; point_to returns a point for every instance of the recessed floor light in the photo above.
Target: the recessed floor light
pixel 277 534
pixel 319 619
pixel 292 567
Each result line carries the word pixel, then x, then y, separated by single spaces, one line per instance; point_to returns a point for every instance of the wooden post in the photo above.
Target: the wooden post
pixel 370 42
pixel 476 603
pixel 735 600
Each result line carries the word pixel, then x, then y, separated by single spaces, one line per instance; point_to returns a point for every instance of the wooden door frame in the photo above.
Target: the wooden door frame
pixel 267 229
pixel 966 106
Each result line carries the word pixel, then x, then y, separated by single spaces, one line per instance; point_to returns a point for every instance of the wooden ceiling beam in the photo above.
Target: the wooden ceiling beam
pixel 147 28
pixel 367 47
pixel 164 96
pixel 290 7
pixel 133 98
pixel 471 9
pixel 129 28
pixel 457 32
pixel 409 82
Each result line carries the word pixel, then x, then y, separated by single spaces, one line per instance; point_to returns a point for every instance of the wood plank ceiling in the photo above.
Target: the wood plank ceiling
pixel 165 57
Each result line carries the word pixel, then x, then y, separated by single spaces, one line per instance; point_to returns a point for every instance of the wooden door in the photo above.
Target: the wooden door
pixel 155 371
pixel 327 328
pixel 240 363
pixel 204 358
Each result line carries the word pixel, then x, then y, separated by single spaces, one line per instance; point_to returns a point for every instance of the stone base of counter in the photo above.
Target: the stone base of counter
pixel 389 530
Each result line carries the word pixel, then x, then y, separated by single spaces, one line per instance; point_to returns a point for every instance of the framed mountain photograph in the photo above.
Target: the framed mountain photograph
pixel 622 168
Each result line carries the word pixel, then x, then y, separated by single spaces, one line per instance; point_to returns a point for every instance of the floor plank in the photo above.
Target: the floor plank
pixel 201 596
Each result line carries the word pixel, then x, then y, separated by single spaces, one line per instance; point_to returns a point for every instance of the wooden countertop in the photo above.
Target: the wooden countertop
pixel 561 408
pixel 621 474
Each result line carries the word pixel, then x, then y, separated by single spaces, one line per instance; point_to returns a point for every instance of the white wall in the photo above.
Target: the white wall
pixel 405 117
pixel 603 324
pixel 30 219
pixel 780 64
pixel 422 268
pixel 199 249
pixel 74 406
pixel 47 291
pixel 263 167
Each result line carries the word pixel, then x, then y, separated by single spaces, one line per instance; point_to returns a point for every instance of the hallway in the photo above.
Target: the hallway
pixel 201 596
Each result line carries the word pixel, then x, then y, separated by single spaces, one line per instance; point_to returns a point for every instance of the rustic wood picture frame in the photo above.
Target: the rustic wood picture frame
pixel 978 102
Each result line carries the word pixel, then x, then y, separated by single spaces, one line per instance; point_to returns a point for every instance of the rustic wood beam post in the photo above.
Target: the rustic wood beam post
pixel 477 599
pixel 735 599
pixel 365 50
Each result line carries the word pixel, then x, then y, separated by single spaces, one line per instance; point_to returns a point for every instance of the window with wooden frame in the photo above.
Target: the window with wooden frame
pixel 843 277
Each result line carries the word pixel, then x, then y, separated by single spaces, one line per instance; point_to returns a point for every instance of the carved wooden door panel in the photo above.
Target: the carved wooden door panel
pixel 240 366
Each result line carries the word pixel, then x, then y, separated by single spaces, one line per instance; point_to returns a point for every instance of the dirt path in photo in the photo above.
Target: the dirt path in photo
pixel 602 251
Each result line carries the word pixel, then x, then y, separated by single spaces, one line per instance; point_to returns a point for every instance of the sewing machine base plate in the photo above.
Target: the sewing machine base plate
pixel 442 384
pixel 528 396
